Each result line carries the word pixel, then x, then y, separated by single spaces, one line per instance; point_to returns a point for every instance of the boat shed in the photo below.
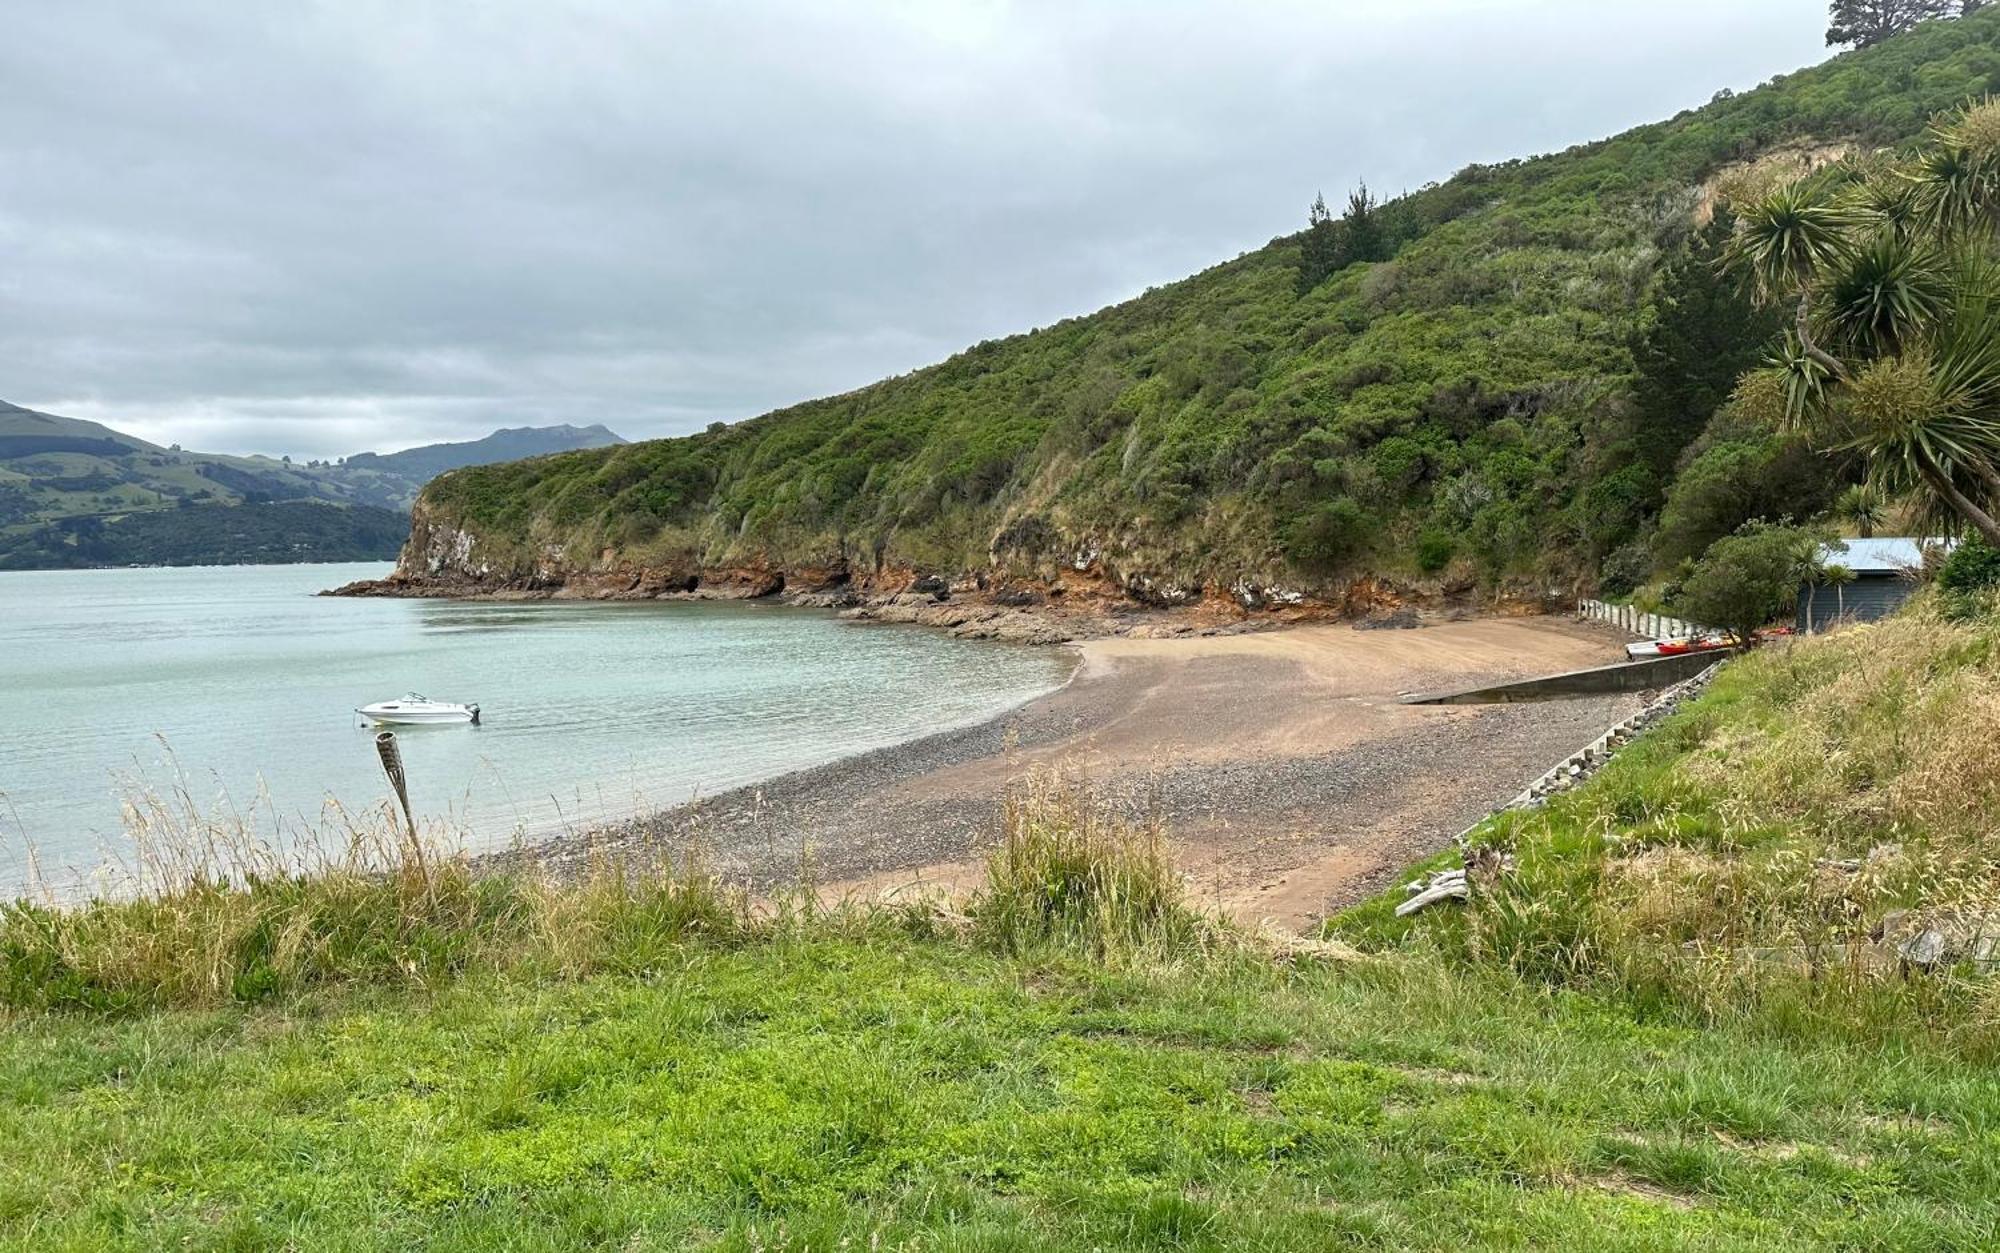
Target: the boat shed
pixel 1885 573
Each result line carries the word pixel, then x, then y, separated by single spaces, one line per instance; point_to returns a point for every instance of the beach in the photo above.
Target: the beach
pixel 1284 766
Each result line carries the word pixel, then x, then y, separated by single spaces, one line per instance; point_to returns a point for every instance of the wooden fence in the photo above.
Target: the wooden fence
pixel 1652 626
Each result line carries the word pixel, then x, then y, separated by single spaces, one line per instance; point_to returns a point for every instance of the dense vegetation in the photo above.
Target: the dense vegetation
pixel 1524 392
pixel 211 535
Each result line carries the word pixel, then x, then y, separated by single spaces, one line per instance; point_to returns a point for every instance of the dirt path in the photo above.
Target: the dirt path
pixel 1290 775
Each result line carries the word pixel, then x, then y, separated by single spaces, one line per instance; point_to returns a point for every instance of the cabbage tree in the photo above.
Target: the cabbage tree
pixel 1862 507
pixel 1894 348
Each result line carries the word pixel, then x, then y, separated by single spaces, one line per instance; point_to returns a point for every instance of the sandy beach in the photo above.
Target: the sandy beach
pixel 1290 776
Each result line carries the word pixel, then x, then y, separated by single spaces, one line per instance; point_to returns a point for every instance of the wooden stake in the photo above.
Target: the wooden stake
pixel 392 765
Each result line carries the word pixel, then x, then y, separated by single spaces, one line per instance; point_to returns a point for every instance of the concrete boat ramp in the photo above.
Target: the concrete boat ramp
pixel 1630 676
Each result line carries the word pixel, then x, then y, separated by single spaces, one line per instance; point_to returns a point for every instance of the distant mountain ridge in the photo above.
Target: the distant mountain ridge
pixel 67 486
pixel 510 443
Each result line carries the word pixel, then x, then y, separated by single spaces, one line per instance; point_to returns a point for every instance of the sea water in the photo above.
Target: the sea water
pixel 239 685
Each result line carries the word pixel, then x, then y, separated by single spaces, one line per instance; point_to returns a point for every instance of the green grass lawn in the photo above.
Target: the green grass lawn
pixel 841 1092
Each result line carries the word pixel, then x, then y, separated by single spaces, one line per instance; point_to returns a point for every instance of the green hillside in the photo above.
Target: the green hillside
pixel 1511 398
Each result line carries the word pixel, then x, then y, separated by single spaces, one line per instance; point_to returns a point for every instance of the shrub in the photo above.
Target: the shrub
pixel 1969 578
pixel 1327 537
pixel 1749 578
pixel 1435 550
pixel 1625 570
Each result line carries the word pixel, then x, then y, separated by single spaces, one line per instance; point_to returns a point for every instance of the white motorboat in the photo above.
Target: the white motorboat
pixel 416 709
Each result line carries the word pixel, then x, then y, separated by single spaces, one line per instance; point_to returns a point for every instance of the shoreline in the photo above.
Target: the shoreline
pixel 1079 605
pixel 1290 779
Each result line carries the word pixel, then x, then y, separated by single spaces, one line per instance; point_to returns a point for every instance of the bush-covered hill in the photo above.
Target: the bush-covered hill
pixel 265 533
pixel 1504 381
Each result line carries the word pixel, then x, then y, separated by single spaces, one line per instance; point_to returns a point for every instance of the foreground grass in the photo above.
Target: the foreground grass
pixel 843 1091
pixel 1597 1052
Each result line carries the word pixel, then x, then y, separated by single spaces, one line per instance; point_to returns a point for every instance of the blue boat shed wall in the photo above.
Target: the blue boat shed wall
pixel 1884 577
pixel 1869 597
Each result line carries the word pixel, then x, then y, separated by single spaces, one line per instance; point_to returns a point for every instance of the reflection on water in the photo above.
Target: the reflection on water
pixel 589 710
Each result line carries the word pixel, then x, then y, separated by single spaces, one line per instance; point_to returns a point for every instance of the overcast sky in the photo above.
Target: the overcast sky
pixel 321 228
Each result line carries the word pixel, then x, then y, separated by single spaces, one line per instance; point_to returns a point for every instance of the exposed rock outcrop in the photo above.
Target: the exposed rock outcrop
pixel 1077 589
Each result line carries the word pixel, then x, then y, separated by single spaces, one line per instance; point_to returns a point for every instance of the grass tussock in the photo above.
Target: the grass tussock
pixel 1752 854
pixel 1071 871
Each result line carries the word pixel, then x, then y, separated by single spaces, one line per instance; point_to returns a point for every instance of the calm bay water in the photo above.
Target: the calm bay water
pixel 590 711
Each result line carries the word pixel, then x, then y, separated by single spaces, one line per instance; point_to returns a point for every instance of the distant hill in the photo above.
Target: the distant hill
pixel 24 433
pixel 268 533
pixel 507 444
pixel 58 472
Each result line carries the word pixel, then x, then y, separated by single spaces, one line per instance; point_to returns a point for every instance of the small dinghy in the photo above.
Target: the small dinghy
pixel 416 709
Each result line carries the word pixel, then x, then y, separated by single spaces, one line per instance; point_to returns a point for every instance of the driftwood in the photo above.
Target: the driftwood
pixel 1445 885
pixel 1485 865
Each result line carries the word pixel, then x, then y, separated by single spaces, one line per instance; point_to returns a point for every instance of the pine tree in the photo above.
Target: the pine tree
pixel 1863 23
pixel 1365 239
pixel 1320 254
pixel 1702 332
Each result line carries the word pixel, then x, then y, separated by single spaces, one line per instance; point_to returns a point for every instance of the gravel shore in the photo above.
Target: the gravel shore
pixel 1288 772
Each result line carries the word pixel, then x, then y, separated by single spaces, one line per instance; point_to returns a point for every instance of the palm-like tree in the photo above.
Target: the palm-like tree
pixel 1862 507
pixel 1895 349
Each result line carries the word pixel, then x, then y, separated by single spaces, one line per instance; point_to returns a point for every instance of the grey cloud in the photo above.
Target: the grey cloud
pixel 319 228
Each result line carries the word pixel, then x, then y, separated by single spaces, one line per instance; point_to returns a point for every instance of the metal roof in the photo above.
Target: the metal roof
pixel 1881 555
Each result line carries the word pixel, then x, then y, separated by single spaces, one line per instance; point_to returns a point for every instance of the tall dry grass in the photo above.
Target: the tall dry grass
pixel 211 904
pixel 1071 871
pixel 1757 849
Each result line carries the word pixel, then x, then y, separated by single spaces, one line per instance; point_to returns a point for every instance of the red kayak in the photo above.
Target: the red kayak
pixel 1680 648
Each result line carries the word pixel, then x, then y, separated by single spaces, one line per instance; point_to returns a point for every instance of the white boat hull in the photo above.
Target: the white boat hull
pixel 415 719
pixel 416 711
